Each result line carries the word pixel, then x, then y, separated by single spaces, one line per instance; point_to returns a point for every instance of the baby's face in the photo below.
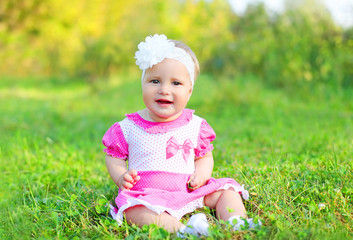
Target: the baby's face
pixel 166 90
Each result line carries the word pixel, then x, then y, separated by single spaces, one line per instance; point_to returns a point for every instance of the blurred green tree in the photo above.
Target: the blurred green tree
pixel 96 39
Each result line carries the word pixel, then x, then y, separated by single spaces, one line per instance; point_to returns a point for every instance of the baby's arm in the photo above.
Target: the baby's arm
pixel 203 171
pixel 117 169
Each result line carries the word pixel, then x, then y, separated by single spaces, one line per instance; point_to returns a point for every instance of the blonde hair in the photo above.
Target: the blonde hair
pixel 187 49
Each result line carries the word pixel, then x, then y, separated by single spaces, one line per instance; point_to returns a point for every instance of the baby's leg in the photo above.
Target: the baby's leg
pixel 140 215
pixel 227 203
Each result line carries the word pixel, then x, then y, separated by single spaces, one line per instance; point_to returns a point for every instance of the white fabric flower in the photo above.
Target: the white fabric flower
pixel 152 51
pixel 157 47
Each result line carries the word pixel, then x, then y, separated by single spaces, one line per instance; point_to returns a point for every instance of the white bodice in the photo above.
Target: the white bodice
pixel 147 151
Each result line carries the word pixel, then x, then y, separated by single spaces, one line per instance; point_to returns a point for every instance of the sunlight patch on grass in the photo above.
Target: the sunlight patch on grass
pixel 40 94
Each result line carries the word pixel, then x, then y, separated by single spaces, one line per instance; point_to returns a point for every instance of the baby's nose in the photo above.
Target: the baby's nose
pixel 164 89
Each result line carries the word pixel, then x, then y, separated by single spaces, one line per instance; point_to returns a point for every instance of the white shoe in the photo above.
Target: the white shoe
pixel 197 226
pixel 252 224
pixel 238 223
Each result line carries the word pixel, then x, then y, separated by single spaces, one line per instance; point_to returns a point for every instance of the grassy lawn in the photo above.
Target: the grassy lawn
pixel 292 150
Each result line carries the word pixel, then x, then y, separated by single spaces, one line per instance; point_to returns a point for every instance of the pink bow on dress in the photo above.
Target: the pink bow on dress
pixel 173 147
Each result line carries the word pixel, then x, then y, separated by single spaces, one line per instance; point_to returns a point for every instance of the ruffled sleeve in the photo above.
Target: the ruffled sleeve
pixel 115 142
pixel 206 136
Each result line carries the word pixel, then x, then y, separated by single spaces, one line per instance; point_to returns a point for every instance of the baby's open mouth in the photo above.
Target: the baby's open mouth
pixel 163 101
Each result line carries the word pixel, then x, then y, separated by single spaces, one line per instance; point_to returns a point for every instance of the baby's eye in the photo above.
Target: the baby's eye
pixel 176 83
pixel 154 81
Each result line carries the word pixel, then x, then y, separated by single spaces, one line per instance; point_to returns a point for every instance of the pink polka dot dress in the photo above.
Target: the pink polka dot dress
pixel 163 154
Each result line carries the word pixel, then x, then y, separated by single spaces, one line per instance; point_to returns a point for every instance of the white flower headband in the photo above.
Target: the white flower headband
pixel 158 47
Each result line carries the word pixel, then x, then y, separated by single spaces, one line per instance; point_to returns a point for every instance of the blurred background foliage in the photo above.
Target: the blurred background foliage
pixel 94 40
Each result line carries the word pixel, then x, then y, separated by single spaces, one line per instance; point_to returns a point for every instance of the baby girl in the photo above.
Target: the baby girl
pixel 168 149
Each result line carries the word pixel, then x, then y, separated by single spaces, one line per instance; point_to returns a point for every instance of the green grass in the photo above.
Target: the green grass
pixel 291 150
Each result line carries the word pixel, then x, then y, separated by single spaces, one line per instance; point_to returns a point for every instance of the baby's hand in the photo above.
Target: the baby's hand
pixel 196 181
pixel 128 180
